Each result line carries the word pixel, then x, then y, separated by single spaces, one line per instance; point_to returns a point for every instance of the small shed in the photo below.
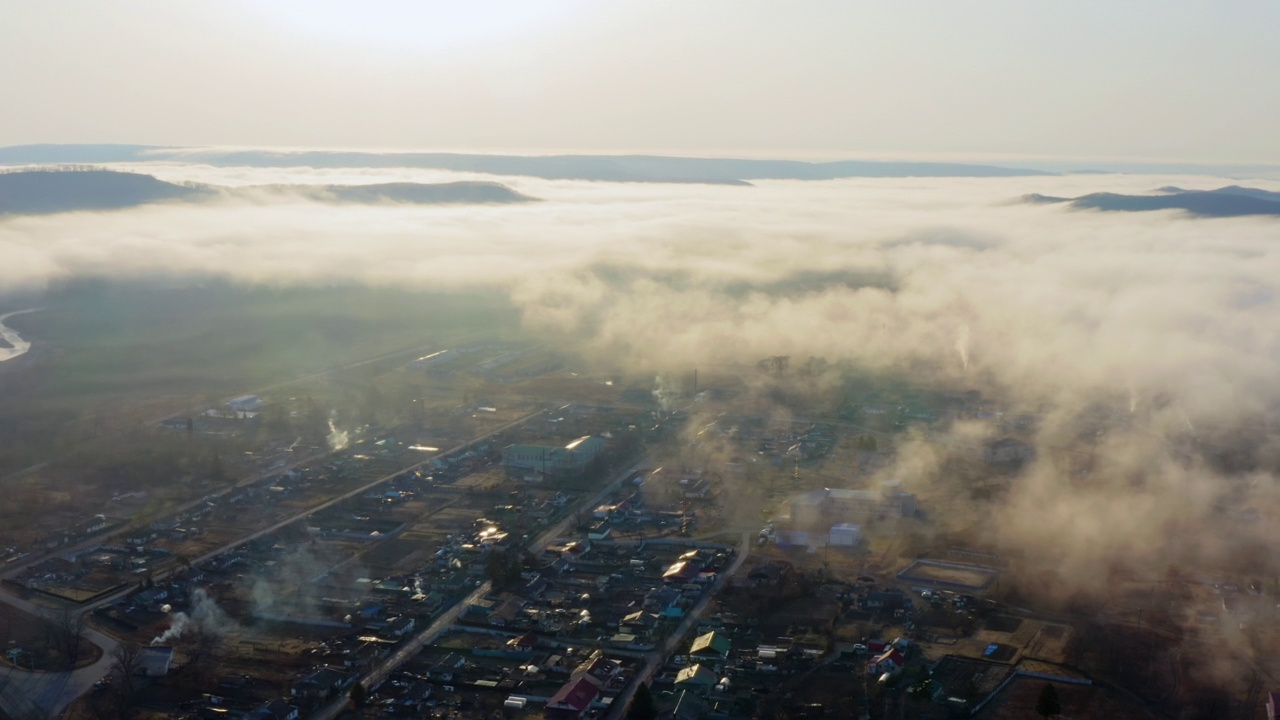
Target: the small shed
pixel 845 535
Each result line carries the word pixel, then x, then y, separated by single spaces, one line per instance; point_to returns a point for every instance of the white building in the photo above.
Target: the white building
pixel 830 506
pixel 845 535
pixel 245 403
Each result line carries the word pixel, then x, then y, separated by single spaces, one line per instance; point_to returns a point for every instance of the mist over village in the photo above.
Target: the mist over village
pixel 636 362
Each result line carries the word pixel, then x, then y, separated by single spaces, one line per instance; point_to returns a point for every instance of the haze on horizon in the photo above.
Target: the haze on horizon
pixel 1136 351
pixel 999 79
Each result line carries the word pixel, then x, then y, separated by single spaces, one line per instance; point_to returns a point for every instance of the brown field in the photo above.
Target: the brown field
pixel 19 629
pixel 1018 701
pixel 974 578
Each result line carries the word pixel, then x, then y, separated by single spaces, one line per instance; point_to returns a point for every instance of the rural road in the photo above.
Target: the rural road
pixel 656 658
pixel 23 692
pixel 26 694
pixel 433 631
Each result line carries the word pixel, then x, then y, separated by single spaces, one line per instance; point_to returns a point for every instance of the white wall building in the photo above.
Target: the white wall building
pixel 845 535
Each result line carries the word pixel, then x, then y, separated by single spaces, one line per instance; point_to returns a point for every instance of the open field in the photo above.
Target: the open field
pixel 108 356
pixel 1018 701
pixel 35 644
pixel 952 575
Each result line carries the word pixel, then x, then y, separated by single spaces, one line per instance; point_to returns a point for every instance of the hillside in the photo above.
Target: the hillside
pixel 615 168
pixel 38 192
pixel 1232 201
pixel 416 193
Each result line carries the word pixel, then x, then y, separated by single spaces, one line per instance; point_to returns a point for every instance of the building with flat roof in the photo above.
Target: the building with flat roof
pixel 571 459
pixel 844 535
pixel 245 403
pixel 838 506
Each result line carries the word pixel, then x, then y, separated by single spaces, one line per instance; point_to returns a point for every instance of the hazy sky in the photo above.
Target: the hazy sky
pixel 1153 79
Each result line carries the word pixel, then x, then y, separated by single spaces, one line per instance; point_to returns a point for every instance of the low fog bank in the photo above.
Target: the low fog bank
pixel 1160 322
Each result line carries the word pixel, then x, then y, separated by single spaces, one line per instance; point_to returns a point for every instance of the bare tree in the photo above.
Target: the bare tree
pixel 128 660
pixel 65 628
pixel 204 647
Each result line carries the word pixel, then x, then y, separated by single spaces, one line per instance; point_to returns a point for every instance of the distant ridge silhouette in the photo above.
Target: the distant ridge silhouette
pixel 615 168
pixel 1231 201
pixel 34 192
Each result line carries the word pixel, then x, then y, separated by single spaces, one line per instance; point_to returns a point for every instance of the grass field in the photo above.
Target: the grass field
pixel 967 577
pixel 107 356
pixel 21 630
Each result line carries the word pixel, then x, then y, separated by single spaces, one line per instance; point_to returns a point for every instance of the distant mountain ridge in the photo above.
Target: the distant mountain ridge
pixel 1230 201
pixel 37 192
pixel 405 192
pixel 614 168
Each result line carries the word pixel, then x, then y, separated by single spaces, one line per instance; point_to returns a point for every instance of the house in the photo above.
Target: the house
pixel 790 537
pixel 639 622
pixel 600 669
pixel 365 655
pixel 699 489
pixel 152 597
pixel 697 677
pixel 890 661
pixel 275 710
pixel 660 597
pixel 524 643
pixel 506 611
pixel 682 571
pixel 399 627
pixel 443 670
pixel 535 588
pixel 557 664
pixel 886 600
pixel 769 575
pixel 711 646
pixel 573 699
pixel 481 607
pixel 413 694
pixel 688 706
pixel 154 660
pixel 322 683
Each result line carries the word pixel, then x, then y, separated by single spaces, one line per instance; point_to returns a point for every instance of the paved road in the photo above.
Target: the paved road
pixel 349 494
pixel 5 596
pixel 433 631
pixel 23 693
pixel 195 411
pixel 102 539
pixel 34 694
pixel 656 658
pixel 52 692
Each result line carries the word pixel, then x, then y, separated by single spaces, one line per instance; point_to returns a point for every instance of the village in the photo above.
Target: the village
pixel 573 560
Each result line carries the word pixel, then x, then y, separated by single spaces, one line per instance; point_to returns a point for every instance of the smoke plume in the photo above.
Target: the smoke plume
pixel 205 616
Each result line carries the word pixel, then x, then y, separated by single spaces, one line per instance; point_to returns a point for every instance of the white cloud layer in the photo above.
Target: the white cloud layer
pixel 1051 307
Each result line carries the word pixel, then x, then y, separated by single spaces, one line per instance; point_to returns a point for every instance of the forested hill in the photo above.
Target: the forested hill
pixel 36 192
pixel 1232 201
